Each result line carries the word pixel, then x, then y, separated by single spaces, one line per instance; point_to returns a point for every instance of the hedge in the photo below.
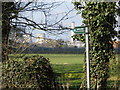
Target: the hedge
pixel 33 72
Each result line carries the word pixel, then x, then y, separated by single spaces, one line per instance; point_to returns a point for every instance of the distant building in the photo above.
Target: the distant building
pixel 27 38
pixel 79 44
pixel 20 38
pixel 72 42
pixel 40 38
pixel 75 43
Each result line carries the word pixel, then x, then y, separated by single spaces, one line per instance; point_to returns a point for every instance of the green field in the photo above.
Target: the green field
pixel 69 67
pixel 65 58
pixel 65 63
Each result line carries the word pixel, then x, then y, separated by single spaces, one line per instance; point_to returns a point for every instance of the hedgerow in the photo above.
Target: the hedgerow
pixel 33 72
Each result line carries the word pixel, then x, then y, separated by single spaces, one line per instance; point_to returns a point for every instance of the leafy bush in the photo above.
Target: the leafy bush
pixel 28 72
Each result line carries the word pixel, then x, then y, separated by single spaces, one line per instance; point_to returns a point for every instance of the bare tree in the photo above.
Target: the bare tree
pixel 12 17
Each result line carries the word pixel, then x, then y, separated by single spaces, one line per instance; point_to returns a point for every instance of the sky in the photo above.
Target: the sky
pixel 61 10
pixel 56 14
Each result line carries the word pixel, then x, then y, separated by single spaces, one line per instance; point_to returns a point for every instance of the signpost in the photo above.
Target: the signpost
pixel 84 30
pixel 79 30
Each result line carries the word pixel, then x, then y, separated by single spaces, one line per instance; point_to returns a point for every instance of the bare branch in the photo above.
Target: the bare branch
pixel 30 23
pixel 62 17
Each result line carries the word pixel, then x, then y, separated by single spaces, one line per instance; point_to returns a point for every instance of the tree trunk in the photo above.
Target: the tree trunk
pixel 5 35
pixel 6 12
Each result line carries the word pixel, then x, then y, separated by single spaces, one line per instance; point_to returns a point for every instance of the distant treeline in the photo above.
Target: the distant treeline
pixel 55 50
pixel 45 50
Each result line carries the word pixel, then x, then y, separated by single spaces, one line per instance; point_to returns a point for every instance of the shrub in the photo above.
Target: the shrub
pixel 28 72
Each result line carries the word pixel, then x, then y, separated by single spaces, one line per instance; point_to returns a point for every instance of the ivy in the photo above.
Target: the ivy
pixel 100 17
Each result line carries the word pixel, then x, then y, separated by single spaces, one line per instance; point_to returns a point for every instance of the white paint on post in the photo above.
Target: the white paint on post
pixel 87 58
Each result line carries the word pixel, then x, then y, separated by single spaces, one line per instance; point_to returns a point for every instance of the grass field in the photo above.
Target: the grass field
pixel 65 58
pixel 69 66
